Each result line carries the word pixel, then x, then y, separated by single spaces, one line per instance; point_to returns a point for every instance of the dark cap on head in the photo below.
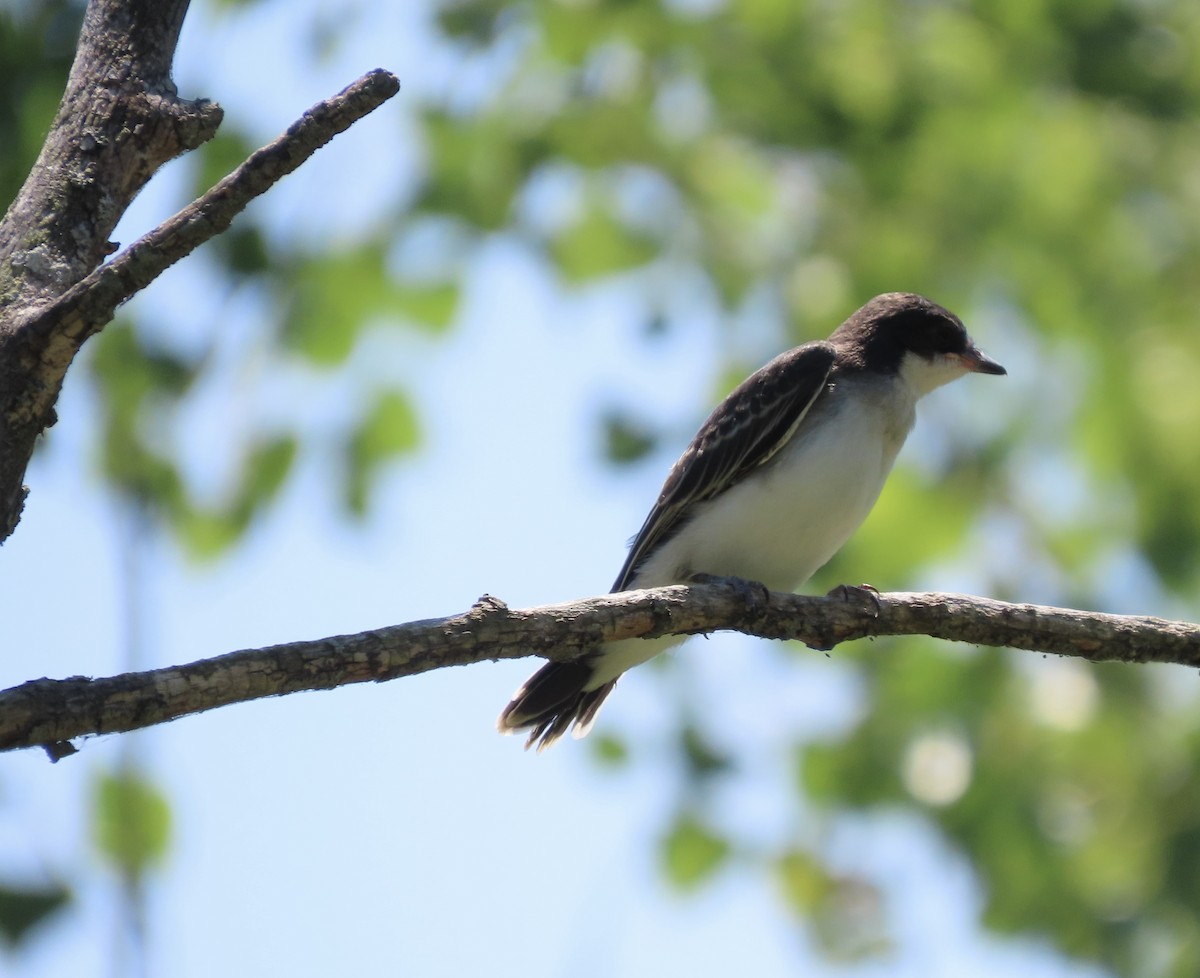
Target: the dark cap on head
pixel 877 336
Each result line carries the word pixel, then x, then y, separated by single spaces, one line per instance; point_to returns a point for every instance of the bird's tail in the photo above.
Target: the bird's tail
pixel 551 700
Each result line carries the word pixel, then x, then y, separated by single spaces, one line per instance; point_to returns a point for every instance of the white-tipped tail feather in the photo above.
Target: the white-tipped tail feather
pixel 554 698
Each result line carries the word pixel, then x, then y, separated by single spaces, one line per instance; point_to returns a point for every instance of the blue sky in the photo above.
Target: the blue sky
pixel 386 830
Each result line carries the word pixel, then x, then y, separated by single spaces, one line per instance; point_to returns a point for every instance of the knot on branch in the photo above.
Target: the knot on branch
pixel 487 605
pixel 195 121
pixel 848 613
pixel 147 128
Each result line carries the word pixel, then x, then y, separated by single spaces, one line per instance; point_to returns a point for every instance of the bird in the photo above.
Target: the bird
pixel 776 480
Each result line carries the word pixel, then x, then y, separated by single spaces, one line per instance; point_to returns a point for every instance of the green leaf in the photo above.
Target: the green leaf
pixel 209 532
pixel 388 429
pixel 428 305
pixel 245 251
pixel 475 22
pixel 336 294
pixel 608 750
pixel 129 371
pixel 626 439
pixel 132 823
pixel 804 880
pixel 142 474
pixel 702 759
pixel 692 853
pixel 598 245
pixel 23 909
pixel 733 176
pixel 475 169
pixel 138 386
pixel 265 472
pixel 219 157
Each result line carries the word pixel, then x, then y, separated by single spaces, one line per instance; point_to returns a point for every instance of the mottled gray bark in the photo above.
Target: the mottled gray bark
pixel 49 713
pixel 120 119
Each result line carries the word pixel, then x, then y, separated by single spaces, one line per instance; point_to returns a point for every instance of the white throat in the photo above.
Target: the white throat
pixel 924 375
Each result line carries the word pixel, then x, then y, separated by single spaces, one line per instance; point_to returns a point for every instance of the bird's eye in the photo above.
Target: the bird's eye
pixel 947 340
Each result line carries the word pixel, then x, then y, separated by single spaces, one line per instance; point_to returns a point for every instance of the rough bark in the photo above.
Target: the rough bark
pixel 120 119
pixel 50 713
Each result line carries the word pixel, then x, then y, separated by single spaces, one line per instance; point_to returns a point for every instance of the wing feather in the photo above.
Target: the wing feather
pixel 744 432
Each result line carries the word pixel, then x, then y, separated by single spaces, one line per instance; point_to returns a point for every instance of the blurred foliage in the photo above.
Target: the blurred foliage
pixel 608 750
pixel 23 908
pixel 845 912
pixel 388 429
pixel 626 439
pixel 1032 165
pixel 37 43
pixel 692 852
pixel 133 823
pixel 141 388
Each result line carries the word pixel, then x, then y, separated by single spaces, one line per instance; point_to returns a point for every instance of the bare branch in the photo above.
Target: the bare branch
pixel 36 352
pixel 90 304
pixel 48 713
pixel 119 120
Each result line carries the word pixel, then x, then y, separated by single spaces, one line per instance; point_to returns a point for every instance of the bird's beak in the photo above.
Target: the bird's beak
pixel 978 362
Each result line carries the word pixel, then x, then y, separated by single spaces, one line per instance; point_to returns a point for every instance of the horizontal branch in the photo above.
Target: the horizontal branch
pixel 51 712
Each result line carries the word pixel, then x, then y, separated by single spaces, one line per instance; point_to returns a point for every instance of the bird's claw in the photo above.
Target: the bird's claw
pixel 754 594
pixel 864 596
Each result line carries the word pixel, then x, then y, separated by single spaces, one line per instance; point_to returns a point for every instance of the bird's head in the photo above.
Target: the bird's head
pixel 900 332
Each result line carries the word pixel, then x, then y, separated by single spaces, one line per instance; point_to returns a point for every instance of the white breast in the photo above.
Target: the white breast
pixel 781 524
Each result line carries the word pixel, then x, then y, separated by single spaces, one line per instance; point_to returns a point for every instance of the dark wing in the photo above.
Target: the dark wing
pixel 745 430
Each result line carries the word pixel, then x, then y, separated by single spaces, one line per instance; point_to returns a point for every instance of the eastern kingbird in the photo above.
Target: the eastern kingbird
pixel 775 481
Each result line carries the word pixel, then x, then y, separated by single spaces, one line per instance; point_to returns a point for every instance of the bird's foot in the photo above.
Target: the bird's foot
pixel 864 596
pixel 754 594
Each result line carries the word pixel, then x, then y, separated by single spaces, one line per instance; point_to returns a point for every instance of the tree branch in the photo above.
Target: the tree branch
pixel 119 120
pixel 36 351
pixel 93 302
pixel 49 713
